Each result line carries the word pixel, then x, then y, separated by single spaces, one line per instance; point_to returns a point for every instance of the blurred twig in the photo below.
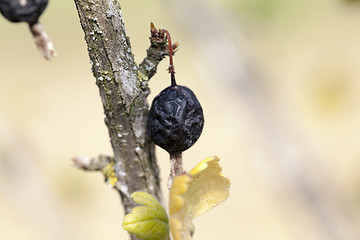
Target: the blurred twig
pixel 92 164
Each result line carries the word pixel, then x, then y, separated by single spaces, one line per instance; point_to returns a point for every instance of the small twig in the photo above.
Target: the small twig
pixel 92 164
pixel 156 52
pixel 42 41
pixel 176 167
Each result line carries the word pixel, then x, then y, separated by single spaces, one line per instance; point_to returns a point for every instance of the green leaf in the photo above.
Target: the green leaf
pixel 149 221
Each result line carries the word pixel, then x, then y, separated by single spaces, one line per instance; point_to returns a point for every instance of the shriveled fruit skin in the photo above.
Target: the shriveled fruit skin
pixel 17 11
pixel 176 119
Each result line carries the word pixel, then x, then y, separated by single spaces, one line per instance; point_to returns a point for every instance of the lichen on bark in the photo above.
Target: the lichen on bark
pixel 123 90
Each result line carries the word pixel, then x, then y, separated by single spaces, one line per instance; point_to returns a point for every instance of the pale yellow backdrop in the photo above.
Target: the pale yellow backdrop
pixel 279 84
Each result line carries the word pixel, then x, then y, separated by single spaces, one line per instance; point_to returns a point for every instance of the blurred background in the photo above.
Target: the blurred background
pixel 279 84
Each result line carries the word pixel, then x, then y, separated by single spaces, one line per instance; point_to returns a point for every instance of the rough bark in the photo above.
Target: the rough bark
pixel 123 90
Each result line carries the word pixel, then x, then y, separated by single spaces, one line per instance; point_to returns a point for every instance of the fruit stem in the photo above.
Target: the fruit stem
pixel 171 53
pixel 176 167
pixel 42 41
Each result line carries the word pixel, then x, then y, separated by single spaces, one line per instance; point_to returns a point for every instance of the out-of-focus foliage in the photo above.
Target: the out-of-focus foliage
pixel 352 1
pixel 261 9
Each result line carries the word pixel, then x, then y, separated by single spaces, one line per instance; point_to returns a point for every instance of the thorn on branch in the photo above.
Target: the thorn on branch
pixel 175 46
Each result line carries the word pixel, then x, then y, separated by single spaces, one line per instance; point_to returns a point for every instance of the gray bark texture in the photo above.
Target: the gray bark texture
pixel 123 90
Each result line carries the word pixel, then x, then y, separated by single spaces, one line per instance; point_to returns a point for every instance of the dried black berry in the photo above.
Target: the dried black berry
pixel 22 10
pixel 176 119
pixel 29 11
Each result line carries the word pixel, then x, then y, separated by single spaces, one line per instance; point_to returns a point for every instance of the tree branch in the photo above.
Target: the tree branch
pixel 123 94
pixel 155 53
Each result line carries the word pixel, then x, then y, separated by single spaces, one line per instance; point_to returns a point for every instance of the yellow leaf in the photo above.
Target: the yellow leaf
pixel 195 193
pixel 149 221
pixel 179 187
pixel 209 187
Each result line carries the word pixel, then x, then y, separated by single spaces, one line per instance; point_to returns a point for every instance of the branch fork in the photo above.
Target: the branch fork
pixel 123 90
